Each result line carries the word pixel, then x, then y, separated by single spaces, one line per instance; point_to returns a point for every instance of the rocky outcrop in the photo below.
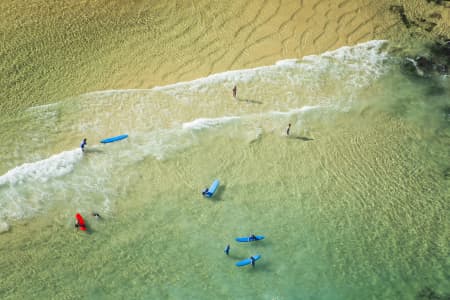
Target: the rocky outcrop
pixel 436 62
pixel 423 22
pixel 438 2
pixel 429 294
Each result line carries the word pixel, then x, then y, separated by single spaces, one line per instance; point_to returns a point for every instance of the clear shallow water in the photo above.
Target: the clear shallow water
pixel 353 204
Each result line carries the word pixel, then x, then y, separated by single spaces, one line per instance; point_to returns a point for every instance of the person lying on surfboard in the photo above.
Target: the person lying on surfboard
pixel 80 222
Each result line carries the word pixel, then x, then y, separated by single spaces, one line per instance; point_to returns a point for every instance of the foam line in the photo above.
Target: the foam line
pixel 207 123
pixel 43 170
pixel 369 52
pixel 295 110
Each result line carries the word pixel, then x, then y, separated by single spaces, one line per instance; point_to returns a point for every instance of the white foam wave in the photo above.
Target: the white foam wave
pixel 44 106
pixel 416 66
pixel 310 83
pixel 43 170
pixel 158 143
pixel 370 53
pixel 365 57
pixel 121 91
pixel 295 110
pixel 202 123
pixel 4 227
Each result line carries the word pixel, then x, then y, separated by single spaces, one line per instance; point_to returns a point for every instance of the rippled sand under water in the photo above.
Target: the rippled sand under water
pixel 55 50
pixel 353 203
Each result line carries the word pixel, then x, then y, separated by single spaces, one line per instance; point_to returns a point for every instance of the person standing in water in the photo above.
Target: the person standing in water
pixel 235 92
pixel 83 144
pixel 227 250
pixel 253 261
pixel 288 130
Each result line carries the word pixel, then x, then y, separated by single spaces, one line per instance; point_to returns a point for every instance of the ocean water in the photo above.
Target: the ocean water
pixel 353 203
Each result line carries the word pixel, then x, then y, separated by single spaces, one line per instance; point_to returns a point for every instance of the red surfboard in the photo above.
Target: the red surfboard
pixel 80 222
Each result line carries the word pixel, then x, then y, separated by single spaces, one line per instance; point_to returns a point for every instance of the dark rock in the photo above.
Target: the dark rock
pixel 424 63
pixel 438 60
pixel 430 26
pixel 435 61
pixel 441 52
pixel 447 112
pixel 400 10
pixel 409 67
pixel 435 90
pixel 438 2
pixel 428 294
pixel 435 1
pixel 442 69
pixel 436 15
pixel 424 67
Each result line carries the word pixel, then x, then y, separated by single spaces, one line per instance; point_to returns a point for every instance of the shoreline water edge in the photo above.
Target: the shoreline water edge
pixel 326 123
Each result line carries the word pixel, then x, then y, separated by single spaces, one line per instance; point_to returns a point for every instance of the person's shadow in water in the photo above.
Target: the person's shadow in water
pixel 218 195
pixel 88 230
pixel 250 101
pixel 93 150
pixel 303 138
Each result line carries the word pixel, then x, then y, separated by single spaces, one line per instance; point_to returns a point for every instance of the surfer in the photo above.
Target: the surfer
pixel 227 250
pixel 252 237
pixel 234 92
pixel 80 226
pixel 96 215
pixel 253 261
pixel 83 143
pixel 80 222
pixel 288 129
pixel 205 191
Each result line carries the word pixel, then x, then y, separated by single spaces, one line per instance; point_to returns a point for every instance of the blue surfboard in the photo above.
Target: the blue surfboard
pixel 247 261
pixel 114 139
pixel 212 189
pixel 247 239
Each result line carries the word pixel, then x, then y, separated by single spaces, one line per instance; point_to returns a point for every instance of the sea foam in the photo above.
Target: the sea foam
pixel 202 123
pixel 366 57
pixel 295 110
pixel 43 170
pixel 4 227
pixel 293 79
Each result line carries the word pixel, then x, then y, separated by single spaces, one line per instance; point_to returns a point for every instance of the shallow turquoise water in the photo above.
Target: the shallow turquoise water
pixel 353 203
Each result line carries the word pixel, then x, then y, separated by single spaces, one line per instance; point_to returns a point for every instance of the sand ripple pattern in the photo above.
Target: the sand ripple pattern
pixel 98 46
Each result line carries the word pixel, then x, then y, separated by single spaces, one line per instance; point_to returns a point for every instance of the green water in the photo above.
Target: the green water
pixel 353 204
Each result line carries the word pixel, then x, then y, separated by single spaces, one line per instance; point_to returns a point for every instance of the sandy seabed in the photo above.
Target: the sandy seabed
pixel 53 50
pixel 362 191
